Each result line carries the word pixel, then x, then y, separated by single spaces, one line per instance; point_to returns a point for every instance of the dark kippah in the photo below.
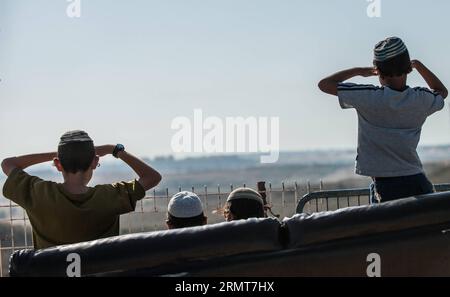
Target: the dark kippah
pixel 74 136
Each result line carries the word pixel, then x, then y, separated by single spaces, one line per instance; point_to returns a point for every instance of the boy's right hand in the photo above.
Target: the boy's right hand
pixel 104 150
pixel 330 84
pixel 368 71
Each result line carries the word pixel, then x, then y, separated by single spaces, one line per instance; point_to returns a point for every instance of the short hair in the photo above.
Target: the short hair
pixel 243 209
pixel 396 66
pixel 177 223
pixel 76 151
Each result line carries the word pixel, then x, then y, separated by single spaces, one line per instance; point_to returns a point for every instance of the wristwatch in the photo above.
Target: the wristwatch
pixel 117 149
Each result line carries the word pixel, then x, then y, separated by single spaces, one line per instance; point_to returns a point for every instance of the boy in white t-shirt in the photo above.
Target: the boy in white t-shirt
pixel 390 119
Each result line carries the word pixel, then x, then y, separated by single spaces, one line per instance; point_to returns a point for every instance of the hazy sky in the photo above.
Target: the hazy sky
pixel 125 69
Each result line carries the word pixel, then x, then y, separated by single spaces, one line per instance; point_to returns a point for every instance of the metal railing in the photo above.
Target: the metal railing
pixel 150 212
pixel 149 215
pixel 336 199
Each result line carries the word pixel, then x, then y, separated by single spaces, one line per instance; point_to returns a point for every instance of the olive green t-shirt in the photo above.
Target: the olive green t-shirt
pixel 59 217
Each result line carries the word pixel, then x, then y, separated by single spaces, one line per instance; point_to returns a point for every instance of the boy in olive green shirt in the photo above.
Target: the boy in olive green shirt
pixel 73 212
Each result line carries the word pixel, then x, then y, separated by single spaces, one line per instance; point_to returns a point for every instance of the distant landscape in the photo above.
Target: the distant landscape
pixel 335 168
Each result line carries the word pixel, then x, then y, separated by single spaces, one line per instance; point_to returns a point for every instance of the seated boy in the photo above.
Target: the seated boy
pixel 185 210
pixel 390 119
pixel 244 203
pixel 73 212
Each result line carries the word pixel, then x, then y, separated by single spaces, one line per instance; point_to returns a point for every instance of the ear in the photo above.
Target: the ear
pixel 94 163
pixel 169 225
pixel 57 164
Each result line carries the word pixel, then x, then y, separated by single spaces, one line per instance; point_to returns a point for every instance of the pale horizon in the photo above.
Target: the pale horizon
pixel 123 72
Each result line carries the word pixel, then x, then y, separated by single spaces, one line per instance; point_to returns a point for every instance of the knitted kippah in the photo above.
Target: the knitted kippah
pixel 74 136
pixel 185 205
pixel 388 49
pixel 245 193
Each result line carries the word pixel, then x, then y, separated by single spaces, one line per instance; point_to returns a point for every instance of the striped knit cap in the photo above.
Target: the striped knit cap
pixel 389 48
pixel 74 136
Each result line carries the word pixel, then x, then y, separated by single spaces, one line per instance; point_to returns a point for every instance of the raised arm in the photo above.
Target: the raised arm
pixel 431 79
pixel 330 84
pixel 148 177
pixel 22 162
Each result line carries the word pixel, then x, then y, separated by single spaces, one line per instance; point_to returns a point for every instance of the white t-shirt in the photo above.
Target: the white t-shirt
pixel 389 126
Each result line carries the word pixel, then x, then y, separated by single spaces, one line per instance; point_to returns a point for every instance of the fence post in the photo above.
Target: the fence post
pixel 206 197
pixel 12 226
pixel 270 193
pixel 220 198
pixel 142 215
pixel 167 196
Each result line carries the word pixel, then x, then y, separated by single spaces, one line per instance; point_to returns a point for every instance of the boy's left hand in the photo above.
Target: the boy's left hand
pixel 415 63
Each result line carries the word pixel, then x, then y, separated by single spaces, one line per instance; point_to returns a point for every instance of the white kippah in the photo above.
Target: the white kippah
pixel 388 49
pixel 245 193
pixel 185 205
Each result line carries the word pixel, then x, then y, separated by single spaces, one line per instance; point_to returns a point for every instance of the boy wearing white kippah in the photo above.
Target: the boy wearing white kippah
pixel 390 119
pixel 185 210
pixel 70 212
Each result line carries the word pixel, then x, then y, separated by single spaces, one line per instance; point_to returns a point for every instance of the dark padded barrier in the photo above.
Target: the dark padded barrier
pixel 303 229
pixel 422 252
pixel 143 250
pixel 411 235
